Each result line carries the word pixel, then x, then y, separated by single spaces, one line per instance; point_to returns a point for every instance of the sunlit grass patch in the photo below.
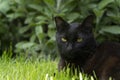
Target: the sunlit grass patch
pixel 22 69
pixel 14 69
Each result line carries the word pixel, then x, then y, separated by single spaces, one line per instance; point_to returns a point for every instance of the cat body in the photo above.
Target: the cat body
pixel 78 48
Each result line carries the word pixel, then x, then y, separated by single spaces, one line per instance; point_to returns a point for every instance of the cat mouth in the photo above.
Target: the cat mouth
pixel 70 55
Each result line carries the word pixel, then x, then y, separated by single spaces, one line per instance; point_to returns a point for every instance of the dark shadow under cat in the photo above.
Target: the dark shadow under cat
pixel 77 46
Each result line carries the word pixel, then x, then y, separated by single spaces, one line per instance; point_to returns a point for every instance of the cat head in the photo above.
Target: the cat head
pixel 75 37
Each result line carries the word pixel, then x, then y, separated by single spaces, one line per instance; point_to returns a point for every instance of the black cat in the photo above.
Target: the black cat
pixel 78 48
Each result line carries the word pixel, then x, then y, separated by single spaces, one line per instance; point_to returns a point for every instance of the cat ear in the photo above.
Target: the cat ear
pixel 88 23
pixel 61 24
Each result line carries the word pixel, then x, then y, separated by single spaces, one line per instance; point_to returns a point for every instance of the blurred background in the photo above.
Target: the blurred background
pixel 27 26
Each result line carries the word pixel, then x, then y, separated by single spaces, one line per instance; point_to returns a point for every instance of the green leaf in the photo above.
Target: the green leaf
pixel 24 45
pixel 38 30
pixel 117 2
pixel 4 6
pixel 50 2
pixel 39 18
pixel 29 19
pixel 33 38
pixel 111 29
pixel 99 13
pixel 73 16
pixel 14 16
pixel 23 29
pixel 36 7
pixel 104 3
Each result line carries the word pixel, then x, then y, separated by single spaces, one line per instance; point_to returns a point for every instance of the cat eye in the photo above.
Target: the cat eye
pixel 63 39
pixel 79 40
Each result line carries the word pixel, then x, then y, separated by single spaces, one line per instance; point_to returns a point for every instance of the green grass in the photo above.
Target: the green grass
pixel 21 69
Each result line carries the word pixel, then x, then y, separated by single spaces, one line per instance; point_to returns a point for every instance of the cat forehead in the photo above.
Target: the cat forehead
pixel 73 27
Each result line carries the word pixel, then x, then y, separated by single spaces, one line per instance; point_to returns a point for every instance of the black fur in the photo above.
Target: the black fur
pixel 86 55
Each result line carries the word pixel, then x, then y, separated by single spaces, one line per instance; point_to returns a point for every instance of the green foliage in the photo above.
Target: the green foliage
pixel 29 25
pixel 108 20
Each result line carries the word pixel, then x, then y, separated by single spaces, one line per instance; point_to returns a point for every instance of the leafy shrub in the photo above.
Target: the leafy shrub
pixel 108 20
pixel 29 25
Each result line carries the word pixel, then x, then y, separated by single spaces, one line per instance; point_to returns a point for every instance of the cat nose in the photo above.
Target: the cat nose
pixel 69 47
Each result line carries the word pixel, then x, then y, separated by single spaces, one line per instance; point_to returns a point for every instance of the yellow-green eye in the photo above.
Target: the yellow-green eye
pixel 79 40
pixel 63 39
